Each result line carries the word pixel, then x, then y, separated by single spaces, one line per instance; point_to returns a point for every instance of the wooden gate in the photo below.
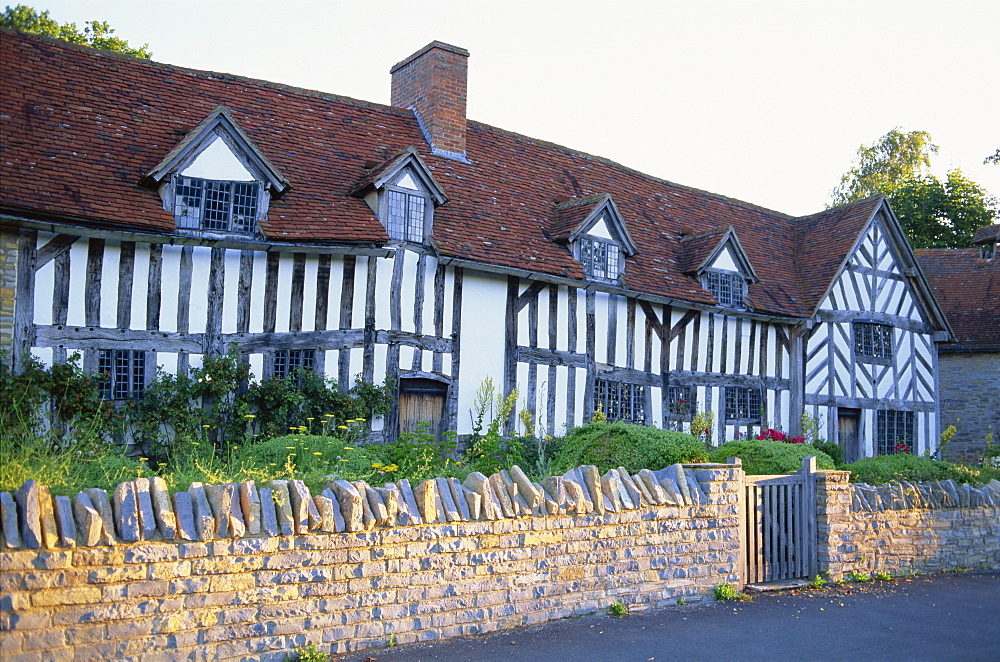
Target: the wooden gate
pixel 779 525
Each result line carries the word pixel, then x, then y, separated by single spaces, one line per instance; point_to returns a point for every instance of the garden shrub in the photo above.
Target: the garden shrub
pixel 831 448
pixel 635 447
pixel 904 466
pixel 763 457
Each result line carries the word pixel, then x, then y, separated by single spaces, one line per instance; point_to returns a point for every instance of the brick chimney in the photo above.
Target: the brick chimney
pixel 433 82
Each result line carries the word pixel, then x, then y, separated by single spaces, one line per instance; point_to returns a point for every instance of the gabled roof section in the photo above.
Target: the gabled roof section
pixel 220 123
pixel 700 250
pixel 968 289
pixel 987 235
pixel 386 171
pixel 852 223
pixel 575 217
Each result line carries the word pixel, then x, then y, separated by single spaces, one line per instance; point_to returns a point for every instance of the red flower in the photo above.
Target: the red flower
pixel 797 440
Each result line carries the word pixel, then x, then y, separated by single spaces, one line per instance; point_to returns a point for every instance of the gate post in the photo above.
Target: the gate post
pixel 808 473
pixel 741 507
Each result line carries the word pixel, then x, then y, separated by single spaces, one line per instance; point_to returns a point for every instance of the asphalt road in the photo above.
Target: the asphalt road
pixel 941 617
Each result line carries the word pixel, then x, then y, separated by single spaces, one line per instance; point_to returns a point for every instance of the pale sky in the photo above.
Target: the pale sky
pixel 765 101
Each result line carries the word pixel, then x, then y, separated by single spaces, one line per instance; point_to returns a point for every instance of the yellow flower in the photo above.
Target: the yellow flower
pixel 359 419
pixel 341 427
pixel 235 447
pixel 291 448
pixel 348 448
pixel 376 465
pixel 195 443
pixel 206 426
pixel 143 459
pixel 309 418
pixel 317 453
pixel 343 460
pixel 250 416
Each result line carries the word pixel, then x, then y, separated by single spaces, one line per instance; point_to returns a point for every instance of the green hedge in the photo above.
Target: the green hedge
pixel 635 447
pixel 889 468
pixel 763 457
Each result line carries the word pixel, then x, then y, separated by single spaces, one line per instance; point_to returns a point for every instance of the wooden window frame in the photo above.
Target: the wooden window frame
pixel 728 288
pixel 734 405
pixel 873 342
pixel 682 402
pixel 188 221
pixel 612 398
pixel 606 267
pixel 287 363
pixel 892 428
pixel 122 373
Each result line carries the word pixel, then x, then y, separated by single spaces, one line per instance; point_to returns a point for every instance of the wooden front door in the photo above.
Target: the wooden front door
pixel 421 400
pixel 849 436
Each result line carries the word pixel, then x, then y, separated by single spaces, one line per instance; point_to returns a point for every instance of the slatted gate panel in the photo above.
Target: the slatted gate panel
pixel 780 526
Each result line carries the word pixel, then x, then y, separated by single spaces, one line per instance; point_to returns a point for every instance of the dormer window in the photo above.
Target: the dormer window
pixel 216 180
pixel 406 209
pixel 600 258
pixel 727 288
pixel 221 206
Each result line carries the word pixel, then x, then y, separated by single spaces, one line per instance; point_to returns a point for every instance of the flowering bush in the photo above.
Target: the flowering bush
pixel 775 435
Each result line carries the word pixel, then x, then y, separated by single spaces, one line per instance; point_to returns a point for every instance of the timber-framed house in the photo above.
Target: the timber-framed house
pixel 154 214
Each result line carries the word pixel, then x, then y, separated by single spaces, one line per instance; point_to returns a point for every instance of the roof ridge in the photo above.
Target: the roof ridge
pixel 576 152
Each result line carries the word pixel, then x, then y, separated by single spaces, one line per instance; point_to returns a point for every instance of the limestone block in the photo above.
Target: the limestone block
pixel 549 507
pixel 163 511
pixel 144 501
pixel 525 488
pixel 126 512
pixel 653 486
pixel 8 521
pixel 325 508
pixel 672 492
pixel 338 516
pixel 411 502
pixel 29 514
pixel 218 502
pixel 425 495
pixel 237 526
pixel 250 506
pixel 283 507
pixel 951 492
pixel 556 492
pixel 579 501
pixel 390 497
pixel 301 500
pixel 351 508
pixel 503 496
pixel 697 495
pixel 474 502
pixel 458 496
pixel 367 514
pixel 64 521
pixel 89 526
pixel 636 491
pixel 964 496
pixel 451 512
pixel 592 479
pixel 46 511
pixel 628 495
pixel 480 484
pixel 676 473
pixel 204 523
pixel 612 497
pixel 380 512
pixel 184 516
pixel 268 513
pixel 576 475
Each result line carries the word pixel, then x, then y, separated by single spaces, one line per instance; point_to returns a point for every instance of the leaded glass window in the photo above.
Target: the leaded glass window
pixel 893 432
pixel 744 403
pixel 219 206
pixel 600 259
pixel 873 340
pixel 727 288
pixel 619 401
pixel 288 362
pixel 681 402
pixel 122 373
pixel 406 215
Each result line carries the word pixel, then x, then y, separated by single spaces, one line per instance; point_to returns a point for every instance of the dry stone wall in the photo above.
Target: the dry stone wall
pixel 906 527
pixel 248 572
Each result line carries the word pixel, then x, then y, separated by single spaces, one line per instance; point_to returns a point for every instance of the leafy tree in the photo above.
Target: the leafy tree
pixel 934 213
pixel 993 158
pixel 943 214
pixel 885 165
pixel 97 34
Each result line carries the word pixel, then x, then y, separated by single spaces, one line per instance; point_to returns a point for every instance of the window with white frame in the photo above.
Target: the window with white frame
pixel 744 405
pixel 872 340
pixel 893 432
pixel 289 362
pixel 218 206
pixel 601 259
pixel 405 213
pixel 727 288
pixel 122 373
pixel 619 401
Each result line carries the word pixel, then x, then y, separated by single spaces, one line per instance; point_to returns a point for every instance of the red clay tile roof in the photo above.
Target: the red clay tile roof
pixel 81 128
pixel 987 235
pixel 696 248
pixel 968 290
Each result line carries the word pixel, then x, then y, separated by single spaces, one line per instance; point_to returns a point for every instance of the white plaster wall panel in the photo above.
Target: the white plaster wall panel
pixel 884 383
pixel 621 336
pixel 167 361
pixel 44 289
pixel 309 293
pixel 558 425
pixel 600 328
pixel 140 286
pixel 230 290
pixel 383 316
pixel 406 358
pixel 109 285
pixel 725 260
pixel 656 406
pixel 733 338
pixel 43 354
pixel 201 267
pixel 407 289
pixel 380 364
pixel 76 314
pixel 482 338
pixel 330 357
pixel 333 300
pixel 428 308
pixel 196 361
pixel 562 328
pixel 888 295
pixel 357 356
pixel 169 279
pixel 286 262
pixel 361 290
pixel 581 416
pixel 543 322
pixel 258 292
pixel 522 395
